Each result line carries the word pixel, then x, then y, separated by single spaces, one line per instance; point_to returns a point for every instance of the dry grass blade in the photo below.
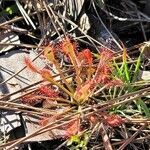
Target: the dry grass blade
pixel 23 89
pixel 92 40
pixel 35 111
pixel 121 142
pixel 22 107
pixel 132 137
pixel 46 128
pixel 40 17
pixel 130 99
pixel 21 45
pixel 105 137
pixel 29 86
pixel 25 15
pixel 16 19
pixel 132 95
pixel 106 27
pixel 51 19
pixel 74 7
pixel 41 41
pixel 76 104
pixel 135 121
pixel 141 24
pixel 42 130
pixel 56 19
pixel 16 29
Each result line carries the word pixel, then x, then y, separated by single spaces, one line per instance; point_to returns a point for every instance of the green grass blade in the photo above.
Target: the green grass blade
pixel 144 107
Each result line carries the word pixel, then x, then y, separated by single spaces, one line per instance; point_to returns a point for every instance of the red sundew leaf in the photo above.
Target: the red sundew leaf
pixel 85 56
pixel 83 92
pixel 49 104
pixel 104 69
pixel 93 119
pixel 72 128
pixel 115 82
pixel 44 121
pixel 30 65
pixel 102 74
pixel 47 91
pixel 49 52
pixel 30 99
pixel 67 46
pixel 106 55
pixel 46 74
pixel 103 79
pixel 113 120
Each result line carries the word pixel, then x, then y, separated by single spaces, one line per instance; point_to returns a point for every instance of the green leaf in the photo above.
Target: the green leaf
pixel 118 72
pixel 74 138
pixel 126 70
pixel 144 107
pixel 9 10
pixel 127 73
pixel 137 67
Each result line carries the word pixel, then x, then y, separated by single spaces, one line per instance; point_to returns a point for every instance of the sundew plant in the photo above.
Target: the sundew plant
pixel 81 77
